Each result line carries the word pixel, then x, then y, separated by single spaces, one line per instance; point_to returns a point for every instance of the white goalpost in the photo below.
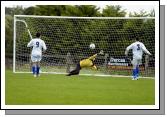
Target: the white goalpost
pixel 68 39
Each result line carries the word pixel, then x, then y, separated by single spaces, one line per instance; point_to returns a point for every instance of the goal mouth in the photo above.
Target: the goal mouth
pixel 68 40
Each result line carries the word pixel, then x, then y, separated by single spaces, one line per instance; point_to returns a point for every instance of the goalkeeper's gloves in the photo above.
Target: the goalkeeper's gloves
pixel 101 52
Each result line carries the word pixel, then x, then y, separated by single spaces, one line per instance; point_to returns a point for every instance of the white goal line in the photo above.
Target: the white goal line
pixel 69 17
pixel 103 75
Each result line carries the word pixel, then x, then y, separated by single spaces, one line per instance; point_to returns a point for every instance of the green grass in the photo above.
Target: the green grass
pixel 51 89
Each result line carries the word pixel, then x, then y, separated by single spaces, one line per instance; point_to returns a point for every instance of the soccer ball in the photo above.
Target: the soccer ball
pixel 92 46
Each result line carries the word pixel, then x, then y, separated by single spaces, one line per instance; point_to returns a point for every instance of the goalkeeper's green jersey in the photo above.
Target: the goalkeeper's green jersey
pixel 88 62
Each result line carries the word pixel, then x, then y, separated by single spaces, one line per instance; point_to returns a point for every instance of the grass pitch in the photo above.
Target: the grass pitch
pixel 52 89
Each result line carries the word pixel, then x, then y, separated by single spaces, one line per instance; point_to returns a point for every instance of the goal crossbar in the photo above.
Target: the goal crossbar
pixel 69 17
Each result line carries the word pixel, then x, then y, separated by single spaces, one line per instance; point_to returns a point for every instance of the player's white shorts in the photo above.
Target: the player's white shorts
pixel 36 58
pixel 137 60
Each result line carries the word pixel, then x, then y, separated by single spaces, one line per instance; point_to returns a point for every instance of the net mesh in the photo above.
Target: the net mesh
pixel 68 40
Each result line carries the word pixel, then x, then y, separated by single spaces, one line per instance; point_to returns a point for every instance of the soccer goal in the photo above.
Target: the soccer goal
pixel 68 39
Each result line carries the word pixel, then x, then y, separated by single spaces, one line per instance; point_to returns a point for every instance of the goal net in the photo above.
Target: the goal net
pixel 68 39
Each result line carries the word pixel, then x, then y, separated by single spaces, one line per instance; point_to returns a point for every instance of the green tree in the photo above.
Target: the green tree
pixel 48 10
pixel 18 10
pixel 9 14
pixel 8 34
pixel 113 11
pixel 30 11
pixel 142 13
pixel 87 10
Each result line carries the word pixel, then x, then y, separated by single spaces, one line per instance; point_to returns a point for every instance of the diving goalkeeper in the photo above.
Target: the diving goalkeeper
pixel 89 62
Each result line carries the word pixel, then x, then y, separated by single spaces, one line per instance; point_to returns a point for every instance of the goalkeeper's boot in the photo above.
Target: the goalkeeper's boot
pixel 35 75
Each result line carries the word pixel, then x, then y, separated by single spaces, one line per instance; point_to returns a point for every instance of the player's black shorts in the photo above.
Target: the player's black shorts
pixel 78 67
